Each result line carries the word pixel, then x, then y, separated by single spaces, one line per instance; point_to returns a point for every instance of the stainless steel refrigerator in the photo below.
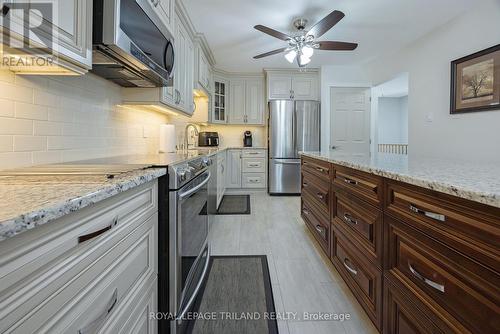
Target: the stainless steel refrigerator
pixel 294 126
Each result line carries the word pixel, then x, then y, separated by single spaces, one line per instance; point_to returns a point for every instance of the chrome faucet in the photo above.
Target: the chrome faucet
pixel 186 130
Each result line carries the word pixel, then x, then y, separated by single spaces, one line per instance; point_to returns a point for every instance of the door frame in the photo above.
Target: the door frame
pixel 353 87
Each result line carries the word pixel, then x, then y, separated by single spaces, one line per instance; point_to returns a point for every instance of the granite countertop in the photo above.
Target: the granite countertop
pixel 30 201
pixel 475 182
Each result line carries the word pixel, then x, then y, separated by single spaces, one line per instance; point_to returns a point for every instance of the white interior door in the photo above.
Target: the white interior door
pixel 350 121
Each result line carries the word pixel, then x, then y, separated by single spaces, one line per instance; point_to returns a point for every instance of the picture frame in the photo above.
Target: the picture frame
pixel 475 82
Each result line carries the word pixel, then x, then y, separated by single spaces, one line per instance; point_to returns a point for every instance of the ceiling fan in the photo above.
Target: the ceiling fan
pixel 302 45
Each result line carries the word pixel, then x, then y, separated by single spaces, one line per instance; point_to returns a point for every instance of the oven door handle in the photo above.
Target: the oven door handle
pixel 182 313
pixel 195 189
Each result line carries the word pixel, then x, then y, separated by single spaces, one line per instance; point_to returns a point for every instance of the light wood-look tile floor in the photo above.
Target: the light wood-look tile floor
pixel 302 277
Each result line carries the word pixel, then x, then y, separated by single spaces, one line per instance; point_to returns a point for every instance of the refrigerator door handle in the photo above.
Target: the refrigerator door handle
pixel 286 161
pixel 294 130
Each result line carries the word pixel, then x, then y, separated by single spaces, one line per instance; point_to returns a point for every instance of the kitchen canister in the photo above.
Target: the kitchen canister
pixel 167 138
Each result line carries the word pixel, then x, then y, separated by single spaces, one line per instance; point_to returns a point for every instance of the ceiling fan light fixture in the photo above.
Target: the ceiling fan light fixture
pixel 290 56
pixel 307 51
pixel 303 60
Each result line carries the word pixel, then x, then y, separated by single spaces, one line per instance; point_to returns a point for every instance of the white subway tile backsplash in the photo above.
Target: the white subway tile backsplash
pixel 54 119
pixel 6 143
pixel 16 93
pixel 44 98
pixel 43 128
pixel 31 111
pixel 12 126
pixel 30 143
pixel 6 108
pixel 15 159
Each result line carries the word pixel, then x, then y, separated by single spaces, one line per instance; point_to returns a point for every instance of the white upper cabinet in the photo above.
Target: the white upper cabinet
pixel 254 102
pixel 293 86
pixel 279 87
pixel 166 10
pixel 70 26
pixel 220 100
pixel 247 101
pixel 305 87
pixel 237 106
pixel 203 75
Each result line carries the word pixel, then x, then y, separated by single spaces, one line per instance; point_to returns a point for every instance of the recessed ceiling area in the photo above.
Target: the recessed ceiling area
pixel 379 26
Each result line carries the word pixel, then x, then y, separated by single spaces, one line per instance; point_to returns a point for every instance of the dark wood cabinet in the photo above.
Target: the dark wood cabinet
pixel 417 260
pixel 363 185
pixel 363 277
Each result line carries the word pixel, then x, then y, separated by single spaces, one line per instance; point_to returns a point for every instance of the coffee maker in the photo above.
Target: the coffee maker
pixel 247 139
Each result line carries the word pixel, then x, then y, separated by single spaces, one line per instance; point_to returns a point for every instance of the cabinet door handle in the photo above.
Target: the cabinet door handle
pixel 351 270
pixel 350 181
pixel 94 325
pixel 429 214
pixel 305 211
pixel 348 218
pixel 97 233
pixel 320 195
pixel 305 184
pixel 427 281
pixel 319 169
pixel 321 230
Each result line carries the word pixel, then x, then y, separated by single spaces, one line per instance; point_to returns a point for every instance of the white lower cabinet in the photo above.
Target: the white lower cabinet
pixel 221 176
pixel 246 168
pixel 233 175
pixel 80 273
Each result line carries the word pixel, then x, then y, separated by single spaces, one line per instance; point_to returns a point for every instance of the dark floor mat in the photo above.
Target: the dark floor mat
pixel 232 205
pixel 236 286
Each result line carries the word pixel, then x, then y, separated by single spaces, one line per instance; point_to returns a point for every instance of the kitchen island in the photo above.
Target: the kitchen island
pixel 416 241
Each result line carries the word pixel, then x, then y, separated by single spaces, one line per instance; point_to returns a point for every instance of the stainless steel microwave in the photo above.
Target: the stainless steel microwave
pixel 131 45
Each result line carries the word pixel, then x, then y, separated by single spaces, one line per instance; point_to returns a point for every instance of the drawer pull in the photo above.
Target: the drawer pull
pixel 319 169
pixel 94 325
pixel 351 270
pixel 427 281
pixel 305 184
pixel 350 181
pixel 348 218
pixel 320 195
pixel 321 230
pixel 429 214
pixel 253 165
pixel 95 234
pixel 305 211
pixel 253 153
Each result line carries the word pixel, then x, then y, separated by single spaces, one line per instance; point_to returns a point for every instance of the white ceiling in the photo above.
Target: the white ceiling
pixel 379 26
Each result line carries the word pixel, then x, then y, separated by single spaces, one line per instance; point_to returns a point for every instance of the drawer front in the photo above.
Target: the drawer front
pixel 134 315
pixel 253 180
pixel 366 186
pixel 317 189
pixel 471 228
pixel 401 316
pixel 363 278
pixel 246 153
pixel 461 287
pixel 319 168
pixel 85 303
pixel 26 256
pixel 362 223
pixel 317 223
pixel 254 165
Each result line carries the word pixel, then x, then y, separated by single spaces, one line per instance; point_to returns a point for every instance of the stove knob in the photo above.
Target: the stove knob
pixel 182 175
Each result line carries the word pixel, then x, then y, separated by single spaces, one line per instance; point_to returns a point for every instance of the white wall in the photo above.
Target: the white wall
pixel 392 120
pixel 473 136
pixel 57 119
pixel 337 76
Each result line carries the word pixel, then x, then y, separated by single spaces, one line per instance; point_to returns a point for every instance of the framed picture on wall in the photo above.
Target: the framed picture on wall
pixel 475 81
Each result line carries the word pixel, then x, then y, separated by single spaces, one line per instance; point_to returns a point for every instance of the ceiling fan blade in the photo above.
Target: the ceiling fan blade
pixel 270 53
pixel 326 23
pixel 272 32
pixel 340 46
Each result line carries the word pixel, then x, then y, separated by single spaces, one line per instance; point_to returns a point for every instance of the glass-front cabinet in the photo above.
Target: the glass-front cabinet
pixel 220 100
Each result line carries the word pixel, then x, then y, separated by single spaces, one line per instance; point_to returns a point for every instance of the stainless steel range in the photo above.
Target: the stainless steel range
pixel 189 249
